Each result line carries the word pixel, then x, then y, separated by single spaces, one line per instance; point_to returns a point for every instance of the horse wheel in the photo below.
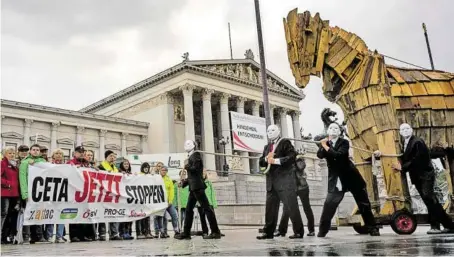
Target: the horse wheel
pixel 403 223
pixel 362 230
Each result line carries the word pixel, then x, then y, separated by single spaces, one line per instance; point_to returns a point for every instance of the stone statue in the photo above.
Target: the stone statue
pixel 249 54
pixel 185 57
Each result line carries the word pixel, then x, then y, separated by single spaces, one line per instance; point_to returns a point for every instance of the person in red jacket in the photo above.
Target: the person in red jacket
pixel 10 192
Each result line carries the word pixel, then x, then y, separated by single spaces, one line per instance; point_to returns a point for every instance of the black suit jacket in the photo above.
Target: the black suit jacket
pixel 280 177
pixel 195 173
pixel 416 160
pixel 340 166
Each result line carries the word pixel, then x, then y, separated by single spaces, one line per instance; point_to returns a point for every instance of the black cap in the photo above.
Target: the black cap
pixel 79 149
pixel 43 148
pixel 23 148
pixel 107 153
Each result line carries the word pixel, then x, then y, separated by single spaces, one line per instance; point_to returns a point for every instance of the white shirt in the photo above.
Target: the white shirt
pixel 406 143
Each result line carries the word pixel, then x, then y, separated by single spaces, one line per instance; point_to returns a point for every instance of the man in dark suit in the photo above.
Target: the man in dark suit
pixel 416 159
pixel 197 187
pixel 279 156
pixel 342 177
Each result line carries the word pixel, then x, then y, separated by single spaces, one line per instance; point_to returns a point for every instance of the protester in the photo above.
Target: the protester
pixel 34 233
pixel 10 194
pixel 44 152
pixel 181 196
pixel 168 184
pixel 211 195
pixel 126 227
pixel 143 226
pixel 22 152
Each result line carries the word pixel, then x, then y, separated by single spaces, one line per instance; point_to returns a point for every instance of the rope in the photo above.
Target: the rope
pixel 395 59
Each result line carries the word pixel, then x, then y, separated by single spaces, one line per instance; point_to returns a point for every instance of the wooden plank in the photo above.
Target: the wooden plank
pixel 371 139
pixel 449 114
pixel 433 88
pixel 446 87
pixel 375 78
pixel 359 97
pixel 436 75
pixel 406 90
pixel 322 50
pixel 351 131
pixel 396 90
pixel 437 137
pixel 414 102
pixel 380 120
pixel 335 48
pixel 419 76
pixel 424 118
pixel 452 84
pixel 438 102
pixel 359 142
pixel 406 76
pixel 396 103
pixel 366 115
pixel 392 80
pixel 389 115
pixel 426 102
pixel 449 101
pixel 411 116
pixel 359 77
pixel 450 136
pixel 423 133
pixel 400 117
pixel 405 103
pixel 345 63
pixel 359 122
pixel 437 118
pixel 418 89
pixel 339 56
pixel 368 72
pixel 388 143
pixel 396 75
pixel 372 95
pixel 345 101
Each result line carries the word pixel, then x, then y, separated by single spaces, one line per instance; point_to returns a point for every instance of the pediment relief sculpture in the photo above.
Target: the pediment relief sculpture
pixel 133 149
pixel 65 141
pixel 112 147
pixel 39 138
pixel 12 134
pixel 90 144
pixel 147 104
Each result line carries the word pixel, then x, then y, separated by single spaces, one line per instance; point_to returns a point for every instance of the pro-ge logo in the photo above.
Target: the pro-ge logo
pixel 114 213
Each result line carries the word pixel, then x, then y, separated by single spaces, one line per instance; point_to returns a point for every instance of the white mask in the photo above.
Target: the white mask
pixel 405 130
pixel 189 145
pixel 334 130
pixel 273 132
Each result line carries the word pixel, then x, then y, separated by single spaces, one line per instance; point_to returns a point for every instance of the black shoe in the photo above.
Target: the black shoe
pixel 311 233
pixel 102 238
pixel 163 235
pixel 86 239
pixel 75 240
pixel 278 234
pixel 296 236
pixel 265 236
pixel 448 231
pixel 183 236
pixel 116 238
pixel 321 234
pixel 198 233
pixel 374 232
pixel 213 236
pixel 222 234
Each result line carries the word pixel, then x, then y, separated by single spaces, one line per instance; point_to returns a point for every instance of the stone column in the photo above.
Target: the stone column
pixel 102 144
pixel 189 131
pixel 283 121
pixel 168 123
pixel 144 144
pixel 80 131
pixel 225 124
pixel 254 163
pixel 53 136
pixel 27 128
pixel 240 109
pixel 208 139
pixel 296 129
pixel 123 144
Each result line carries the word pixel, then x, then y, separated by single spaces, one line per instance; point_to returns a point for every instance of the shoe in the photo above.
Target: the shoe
pixel 321 234
pixel 49 240
pixel 296 236
pixel 198 233
pixel 116 238
pixel 213 236
pixel 127 237
pixel 183 236
pixel 374 232
pixel 149 236
pixel 204 234
pixel 164 235
pixel 434 231
pixel 86 239
pixel 311 233
pixel 64 239
pixel 102 238
pixel 222 234
pixel 265 236
pixel 75 240
pixel 278 234
pixel 42 241
pixel 26 241
pixel 60 240
pixel 448 231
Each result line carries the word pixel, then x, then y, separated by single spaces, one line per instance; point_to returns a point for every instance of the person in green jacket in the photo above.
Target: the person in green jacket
pixel 184 195
pixel 33 157
pixel 211 195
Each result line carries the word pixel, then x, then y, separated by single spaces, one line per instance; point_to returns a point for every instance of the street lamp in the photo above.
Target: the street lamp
pixel 224 141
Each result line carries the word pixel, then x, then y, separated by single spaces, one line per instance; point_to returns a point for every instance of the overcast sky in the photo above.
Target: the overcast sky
pixel 71 53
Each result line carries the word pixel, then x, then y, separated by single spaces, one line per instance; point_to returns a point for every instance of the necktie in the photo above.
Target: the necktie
pixel 271 147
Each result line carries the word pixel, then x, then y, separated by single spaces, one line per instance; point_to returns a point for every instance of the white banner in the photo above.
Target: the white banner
pixel 62 194
pixel 173 161
pixel 248 132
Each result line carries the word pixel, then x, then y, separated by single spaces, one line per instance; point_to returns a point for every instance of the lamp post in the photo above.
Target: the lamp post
pixel 224 141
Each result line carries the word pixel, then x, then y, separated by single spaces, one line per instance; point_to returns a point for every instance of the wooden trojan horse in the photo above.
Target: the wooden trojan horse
pixel 375 98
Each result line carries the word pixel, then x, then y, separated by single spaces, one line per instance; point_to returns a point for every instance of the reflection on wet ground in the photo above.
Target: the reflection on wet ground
pixel 242 242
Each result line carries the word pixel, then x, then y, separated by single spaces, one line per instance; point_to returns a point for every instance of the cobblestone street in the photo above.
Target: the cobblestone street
pixel 241 241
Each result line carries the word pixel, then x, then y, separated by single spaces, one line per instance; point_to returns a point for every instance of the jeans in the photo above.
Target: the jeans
pixel 9 216
pixel 159 226
pixel 143 226
pixel 174 215
pixel 50 230
pixel 114 229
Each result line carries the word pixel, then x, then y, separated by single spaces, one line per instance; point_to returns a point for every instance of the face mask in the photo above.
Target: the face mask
pixel 273 132
pixel 406 131
pixel 189 145
pixel 333 130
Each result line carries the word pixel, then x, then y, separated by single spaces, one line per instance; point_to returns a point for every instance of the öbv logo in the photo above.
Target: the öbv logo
pixel 89 214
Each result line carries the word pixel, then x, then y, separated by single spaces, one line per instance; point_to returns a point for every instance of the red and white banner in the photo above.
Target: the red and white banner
pixel 63 194
pixel 248 132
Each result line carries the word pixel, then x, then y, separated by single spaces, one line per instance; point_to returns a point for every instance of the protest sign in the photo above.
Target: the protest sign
pixel 248 132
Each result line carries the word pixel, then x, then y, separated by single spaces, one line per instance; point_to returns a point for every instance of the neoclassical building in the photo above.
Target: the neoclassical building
pixel 190 100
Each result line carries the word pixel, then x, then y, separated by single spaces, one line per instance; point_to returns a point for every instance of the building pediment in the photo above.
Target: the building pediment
pixel 65 141
pixel 112 147
pixel 133 149
pixel 12 134
pixel 90 144
pixel 40 138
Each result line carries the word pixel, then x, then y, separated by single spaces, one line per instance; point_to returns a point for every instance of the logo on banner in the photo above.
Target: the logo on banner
pixel 137 214
pixel 89 214
pixel 69 213
pixel 44 214
pixel 114 213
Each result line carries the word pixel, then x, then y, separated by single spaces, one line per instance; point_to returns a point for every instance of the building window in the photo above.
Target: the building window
pixel 66 154
pixel 7 144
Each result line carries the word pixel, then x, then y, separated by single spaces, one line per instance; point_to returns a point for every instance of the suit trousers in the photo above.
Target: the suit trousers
pixel 332 201
pixel 289 200
pixel 194 197
pixel 304 197
pixel 436 212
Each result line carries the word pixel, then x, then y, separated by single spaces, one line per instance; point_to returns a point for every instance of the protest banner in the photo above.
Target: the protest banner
pixel 248 132
pixel 63 194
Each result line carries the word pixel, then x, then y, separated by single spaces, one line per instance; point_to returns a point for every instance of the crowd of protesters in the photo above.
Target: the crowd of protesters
pixel 14 196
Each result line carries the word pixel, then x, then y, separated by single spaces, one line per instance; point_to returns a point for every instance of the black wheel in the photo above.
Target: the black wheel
pixel 403 223
pixel 362 230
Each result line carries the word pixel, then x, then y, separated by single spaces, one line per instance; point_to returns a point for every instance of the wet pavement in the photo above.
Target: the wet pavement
pixel 241 241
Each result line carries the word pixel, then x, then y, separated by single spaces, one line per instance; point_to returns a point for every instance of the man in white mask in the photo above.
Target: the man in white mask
pixel 197 187
pixel 342 177
pixel 416 160
pixel 280 183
